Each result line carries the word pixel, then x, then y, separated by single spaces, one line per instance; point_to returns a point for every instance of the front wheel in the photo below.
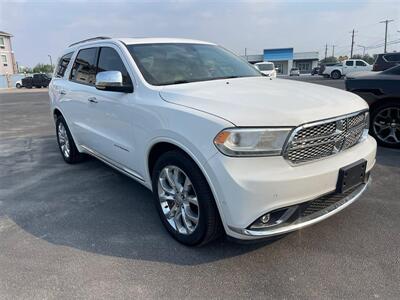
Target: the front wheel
pixel 18 86
pixel 385 124
pixel 184 200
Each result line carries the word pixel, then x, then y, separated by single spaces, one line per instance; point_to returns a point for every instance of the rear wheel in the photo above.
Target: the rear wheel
pixel 385 124
pixel 66 144
pixel 336 74
pixel 184 200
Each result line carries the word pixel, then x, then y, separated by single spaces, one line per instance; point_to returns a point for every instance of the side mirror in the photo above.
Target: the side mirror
pixel 112 81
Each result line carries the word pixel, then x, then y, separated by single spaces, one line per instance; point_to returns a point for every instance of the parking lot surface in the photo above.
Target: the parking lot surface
pixel 87 231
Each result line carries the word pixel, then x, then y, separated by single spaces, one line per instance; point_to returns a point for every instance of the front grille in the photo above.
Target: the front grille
pixel 321 139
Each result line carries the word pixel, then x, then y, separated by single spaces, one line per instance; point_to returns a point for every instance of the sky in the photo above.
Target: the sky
pixel 42 28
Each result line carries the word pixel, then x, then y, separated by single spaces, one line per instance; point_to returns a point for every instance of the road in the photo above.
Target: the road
pixel 86 231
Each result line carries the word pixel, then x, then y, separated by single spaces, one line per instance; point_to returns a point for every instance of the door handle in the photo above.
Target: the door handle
pixel 62 92
pixel 92 99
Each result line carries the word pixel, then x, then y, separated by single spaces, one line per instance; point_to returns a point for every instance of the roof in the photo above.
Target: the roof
pixel 3 33
pixel 154 40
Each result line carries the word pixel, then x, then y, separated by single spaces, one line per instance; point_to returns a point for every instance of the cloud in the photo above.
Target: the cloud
pixel 42 28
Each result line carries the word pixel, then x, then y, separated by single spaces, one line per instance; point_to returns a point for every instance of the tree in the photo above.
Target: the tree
pixel 42 68
pixel 329 59
pixel 342 58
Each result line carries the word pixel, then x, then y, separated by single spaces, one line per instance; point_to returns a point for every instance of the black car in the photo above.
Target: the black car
pixel 382 93
pixel 37 80
pixel 386 61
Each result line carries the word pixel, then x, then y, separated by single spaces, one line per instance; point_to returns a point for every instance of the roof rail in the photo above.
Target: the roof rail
pixel 91 39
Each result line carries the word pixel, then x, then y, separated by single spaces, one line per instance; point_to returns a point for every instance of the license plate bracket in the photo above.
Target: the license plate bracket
pixel 352 175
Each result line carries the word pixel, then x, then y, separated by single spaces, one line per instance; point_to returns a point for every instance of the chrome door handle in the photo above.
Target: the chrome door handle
pixel 92 99
pixel 62 92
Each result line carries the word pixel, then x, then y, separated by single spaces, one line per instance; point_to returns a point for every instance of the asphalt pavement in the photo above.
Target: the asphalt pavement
pixel 87 231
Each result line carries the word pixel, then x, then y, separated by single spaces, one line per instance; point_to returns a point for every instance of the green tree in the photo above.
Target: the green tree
pixel 329 59
pixel 368 58
pixel 42 68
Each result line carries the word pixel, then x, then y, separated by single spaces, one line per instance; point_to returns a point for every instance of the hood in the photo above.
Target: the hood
pixel 261 101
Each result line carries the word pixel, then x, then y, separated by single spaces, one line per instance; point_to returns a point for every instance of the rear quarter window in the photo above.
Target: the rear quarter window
pixel 63 64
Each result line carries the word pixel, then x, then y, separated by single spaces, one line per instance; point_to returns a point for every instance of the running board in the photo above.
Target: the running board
pixel 124 170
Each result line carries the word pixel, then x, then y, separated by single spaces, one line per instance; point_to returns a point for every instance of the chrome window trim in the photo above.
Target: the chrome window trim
pixel 312 124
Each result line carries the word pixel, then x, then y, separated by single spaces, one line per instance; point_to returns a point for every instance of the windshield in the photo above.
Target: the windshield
pixel 265 67
pixel 173 63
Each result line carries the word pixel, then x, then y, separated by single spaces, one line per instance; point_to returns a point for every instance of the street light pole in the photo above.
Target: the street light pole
pixel 51 62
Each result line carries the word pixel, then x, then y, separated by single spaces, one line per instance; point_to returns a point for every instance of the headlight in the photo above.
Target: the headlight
pixel 251 141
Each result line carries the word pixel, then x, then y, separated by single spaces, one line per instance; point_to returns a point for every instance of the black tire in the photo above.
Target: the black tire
pixel 374 129
pixel 336 74
pixel 38 86
pixel 74 155
pixel 209 226
pixel 18 86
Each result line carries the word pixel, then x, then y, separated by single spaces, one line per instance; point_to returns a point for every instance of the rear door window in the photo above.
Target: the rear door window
pixel 84 68
pixel 349 63
pixel 63 64
pixel 360 63
pixel 109 60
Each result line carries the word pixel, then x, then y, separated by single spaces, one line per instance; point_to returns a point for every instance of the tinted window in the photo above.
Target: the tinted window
pixel 84 69
pixel 63 64
pixel 349 63
pixel 392 57
pixel 360 63
pixel 173 63
pixel 109 60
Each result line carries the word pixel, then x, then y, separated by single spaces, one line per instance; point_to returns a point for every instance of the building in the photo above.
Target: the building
pixel 285 59
pixel 8 64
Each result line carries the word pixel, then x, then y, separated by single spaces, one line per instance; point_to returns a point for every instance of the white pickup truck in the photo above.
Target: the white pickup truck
pixel 348 66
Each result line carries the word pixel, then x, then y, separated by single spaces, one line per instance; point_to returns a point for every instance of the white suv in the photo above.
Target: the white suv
pixel 223 148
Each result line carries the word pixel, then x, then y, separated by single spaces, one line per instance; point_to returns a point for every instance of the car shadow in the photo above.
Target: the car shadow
pixel 91 207
pixel 388 157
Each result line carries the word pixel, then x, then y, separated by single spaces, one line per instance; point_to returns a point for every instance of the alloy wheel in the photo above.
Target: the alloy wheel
pixel 63 140
pixel 386 125
pixel 178 200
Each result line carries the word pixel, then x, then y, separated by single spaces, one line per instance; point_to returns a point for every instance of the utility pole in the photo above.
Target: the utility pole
pixel 386 26
pixel 51 62
pixel 326 51
pixel 333 50
pixel 364 47
pixel 352 44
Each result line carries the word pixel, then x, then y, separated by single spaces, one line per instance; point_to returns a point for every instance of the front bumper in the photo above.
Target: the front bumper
pixel 247 188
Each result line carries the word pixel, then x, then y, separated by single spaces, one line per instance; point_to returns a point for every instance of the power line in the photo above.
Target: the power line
pixel 386 28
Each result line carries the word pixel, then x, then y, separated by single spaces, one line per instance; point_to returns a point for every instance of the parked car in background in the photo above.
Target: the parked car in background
pixel 382 93
pixel 315 71
pixel 294 72
pixel 347 67
pixel 386 61
pixel 18 84
pixel 37 80
pixel 223 148
pixel 267 68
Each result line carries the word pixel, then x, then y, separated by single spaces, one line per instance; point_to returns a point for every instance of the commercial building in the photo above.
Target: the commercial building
pixel 8 64
pixel 285 59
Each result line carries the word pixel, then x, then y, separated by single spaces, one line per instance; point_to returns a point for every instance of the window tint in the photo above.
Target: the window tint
pixel 360 63
pixel 109 60
pixel 392 57
pixel 63 64
pixel 349 63
pixel 84 69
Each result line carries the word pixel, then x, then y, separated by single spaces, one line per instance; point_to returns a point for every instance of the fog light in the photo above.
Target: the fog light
pixel 265 218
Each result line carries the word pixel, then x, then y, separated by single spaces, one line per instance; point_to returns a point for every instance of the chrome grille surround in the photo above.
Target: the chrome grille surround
pixel 320 139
